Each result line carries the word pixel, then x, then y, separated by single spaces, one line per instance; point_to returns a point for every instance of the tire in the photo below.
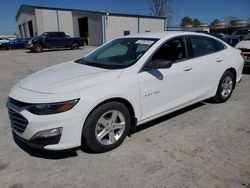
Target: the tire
pixel 75 46
pixel 8 48
pixel 225 87
pixel 106 127
pixel 37 48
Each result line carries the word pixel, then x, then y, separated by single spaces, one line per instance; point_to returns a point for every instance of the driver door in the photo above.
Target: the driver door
pixel 164 90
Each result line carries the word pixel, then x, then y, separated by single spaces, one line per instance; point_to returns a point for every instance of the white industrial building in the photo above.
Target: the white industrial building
pixel 98 27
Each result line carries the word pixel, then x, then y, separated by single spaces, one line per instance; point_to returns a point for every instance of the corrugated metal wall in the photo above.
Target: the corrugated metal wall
pixel 151 25
pixel 54 20
pixel 66 22
pixel 101 28
pixel 116 25
pixel 94 26
pixel 26 15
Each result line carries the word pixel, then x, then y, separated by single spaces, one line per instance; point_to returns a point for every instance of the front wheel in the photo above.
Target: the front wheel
pixel 37 48
pixel 106 127
pixel 225 87
pixel 75 46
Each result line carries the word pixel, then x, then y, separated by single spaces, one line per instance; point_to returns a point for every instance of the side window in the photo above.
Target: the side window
pixel 201 45
pixel 245 32
pixel 173 50
pixel 59 35
pixel 204 45
pixel 218 45
pixel 51 35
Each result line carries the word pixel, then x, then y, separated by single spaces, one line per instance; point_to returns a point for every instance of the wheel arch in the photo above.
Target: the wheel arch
pixel 233 71
pixel 124 102
pixel 75 41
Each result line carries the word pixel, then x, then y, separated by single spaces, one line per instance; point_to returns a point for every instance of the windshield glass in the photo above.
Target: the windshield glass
pixel 119 53
pixel 43 35
pixel 247 37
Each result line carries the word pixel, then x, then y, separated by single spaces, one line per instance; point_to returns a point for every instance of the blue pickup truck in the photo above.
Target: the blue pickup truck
pixel 50 40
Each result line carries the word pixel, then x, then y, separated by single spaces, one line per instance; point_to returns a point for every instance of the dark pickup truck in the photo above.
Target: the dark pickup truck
pixel 53 40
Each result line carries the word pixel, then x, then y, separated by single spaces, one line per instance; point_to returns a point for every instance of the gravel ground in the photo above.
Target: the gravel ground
pixel 206 145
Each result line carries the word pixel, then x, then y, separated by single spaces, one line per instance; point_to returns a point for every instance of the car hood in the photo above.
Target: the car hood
pixel 243 44
pixel 67 77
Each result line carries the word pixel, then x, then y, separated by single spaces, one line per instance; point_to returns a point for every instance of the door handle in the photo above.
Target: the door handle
pixel 187 68
pixel 219 60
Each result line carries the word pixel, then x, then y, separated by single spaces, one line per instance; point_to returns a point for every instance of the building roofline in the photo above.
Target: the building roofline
pixel 88 11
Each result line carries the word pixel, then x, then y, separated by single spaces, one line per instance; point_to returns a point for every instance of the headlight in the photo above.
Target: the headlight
pixel 52 108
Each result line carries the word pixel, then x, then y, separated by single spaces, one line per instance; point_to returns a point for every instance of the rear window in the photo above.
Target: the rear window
pixel 201 45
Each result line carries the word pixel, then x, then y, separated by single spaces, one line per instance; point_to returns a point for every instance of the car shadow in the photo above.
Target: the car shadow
pixel 45 154
pixel 54 50
pixel 167 117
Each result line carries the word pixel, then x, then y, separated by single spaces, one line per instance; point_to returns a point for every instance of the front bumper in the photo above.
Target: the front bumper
pixel 70 122
pixel 29 46
pixel 38 143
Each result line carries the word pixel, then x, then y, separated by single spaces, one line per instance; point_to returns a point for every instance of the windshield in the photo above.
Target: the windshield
pixel 119 53
pixel 247 37
pixel 43 35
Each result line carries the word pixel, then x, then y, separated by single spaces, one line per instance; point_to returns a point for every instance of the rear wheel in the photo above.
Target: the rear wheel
pixel 37 48
pixel 106 127
pixel 225 88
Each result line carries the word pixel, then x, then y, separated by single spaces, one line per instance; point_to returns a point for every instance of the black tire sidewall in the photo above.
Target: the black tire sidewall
pixel 88 133
pixel 219 90
pixel 37 48
pixel 75 46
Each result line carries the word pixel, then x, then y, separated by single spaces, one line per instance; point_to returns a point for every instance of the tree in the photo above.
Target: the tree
pixel 196 22
pixel 186 21
pixel 229 19
pixel 214 22
pixel 161 7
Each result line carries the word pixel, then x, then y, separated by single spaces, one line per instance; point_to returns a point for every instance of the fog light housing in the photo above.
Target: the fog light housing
pixel 47 137
pixel 48 133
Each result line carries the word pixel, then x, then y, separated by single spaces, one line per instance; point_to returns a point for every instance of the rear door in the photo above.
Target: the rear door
pixel 208 64
pixel 56 40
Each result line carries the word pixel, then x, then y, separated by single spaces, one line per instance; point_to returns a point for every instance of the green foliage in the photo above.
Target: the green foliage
pixel 196 22
pixel 186 21
pixel 214 22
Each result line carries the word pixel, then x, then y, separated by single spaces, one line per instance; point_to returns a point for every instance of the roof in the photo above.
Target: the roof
pixel 166 34
pixel 89 11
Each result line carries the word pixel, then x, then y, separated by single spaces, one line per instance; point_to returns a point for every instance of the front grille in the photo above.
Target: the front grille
pixel 17 121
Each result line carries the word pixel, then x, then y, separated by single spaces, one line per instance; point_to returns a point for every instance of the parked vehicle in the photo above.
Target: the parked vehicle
pixel 14 44
pixel 244 46
pixel 98 99
pixel 237 36
pixel 3 40
pixel 53 40
pixel 221 36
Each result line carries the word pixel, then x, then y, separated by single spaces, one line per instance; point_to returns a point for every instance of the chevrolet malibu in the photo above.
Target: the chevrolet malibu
pixel 96 100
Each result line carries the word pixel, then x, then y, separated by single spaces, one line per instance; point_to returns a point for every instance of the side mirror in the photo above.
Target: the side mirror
pixel 158 64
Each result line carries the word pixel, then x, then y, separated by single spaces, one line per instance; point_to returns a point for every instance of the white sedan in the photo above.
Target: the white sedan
pixel 96 100
pixel 244 46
